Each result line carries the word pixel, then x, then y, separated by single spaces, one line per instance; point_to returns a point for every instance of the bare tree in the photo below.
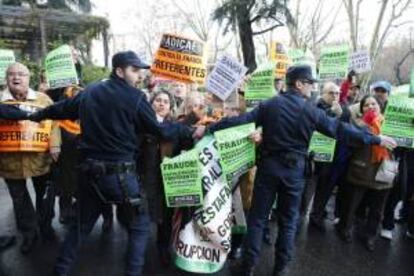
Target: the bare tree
pixel 196 17
pixel 313 24
pixel 390 13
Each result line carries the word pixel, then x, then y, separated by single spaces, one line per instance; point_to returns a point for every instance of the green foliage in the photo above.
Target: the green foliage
pixel 259 11
pixel 91 73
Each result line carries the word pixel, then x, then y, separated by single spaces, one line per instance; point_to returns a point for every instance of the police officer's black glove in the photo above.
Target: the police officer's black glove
pixel 37 116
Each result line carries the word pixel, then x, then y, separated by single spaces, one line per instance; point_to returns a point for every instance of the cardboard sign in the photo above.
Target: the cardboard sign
pixel 278 55
pixel 323 147
pixel 60 68
pixel 360 61
pixel 6 58
pixel 334 62
pixel 25 136
pixel 399 120
pixel 180 59
pixel 237 151
pixel 181 178
pixel 300 57
pixel 225 77
pixel 260 86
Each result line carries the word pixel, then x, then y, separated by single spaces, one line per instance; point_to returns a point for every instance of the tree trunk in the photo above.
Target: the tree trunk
pixel 246 38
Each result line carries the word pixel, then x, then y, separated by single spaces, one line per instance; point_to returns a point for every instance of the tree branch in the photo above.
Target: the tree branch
pixel 280 24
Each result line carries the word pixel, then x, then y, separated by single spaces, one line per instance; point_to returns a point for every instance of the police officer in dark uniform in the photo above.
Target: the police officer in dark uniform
pixel 10 112
pixel 113 115
pixel 288 121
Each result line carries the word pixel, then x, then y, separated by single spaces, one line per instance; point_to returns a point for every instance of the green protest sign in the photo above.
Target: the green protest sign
pixel 237 151
pixel 334 62
pixel 300 57
pixel 260 86
pixel 60 68
pixel 399 120
pixel 411 93
pixel 322 146
pixel 6 58
pixel 182 180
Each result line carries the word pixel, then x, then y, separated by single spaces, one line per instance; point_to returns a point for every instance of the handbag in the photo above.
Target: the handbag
pixel 387 171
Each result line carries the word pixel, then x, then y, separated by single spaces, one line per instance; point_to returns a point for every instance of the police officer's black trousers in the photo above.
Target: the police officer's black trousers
pixel 27 218
pixel 273 177
pixel 90 207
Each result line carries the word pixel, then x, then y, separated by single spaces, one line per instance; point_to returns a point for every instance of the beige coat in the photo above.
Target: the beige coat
pixel 21 165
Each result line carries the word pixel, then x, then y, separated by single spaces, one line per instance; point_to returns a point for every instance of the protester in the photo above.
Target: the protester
pixel 346 86
pixel 329 103
pixel 382 90
pixel 279 85
pixel 9 112
pixel 153 152
pixel 364 164
pixel 17 167
pixel 180 93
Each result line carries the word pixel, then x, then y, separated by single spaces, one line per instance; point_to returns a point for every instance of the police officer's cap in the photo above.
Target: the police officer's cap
pixel 128 58
pixel 299 72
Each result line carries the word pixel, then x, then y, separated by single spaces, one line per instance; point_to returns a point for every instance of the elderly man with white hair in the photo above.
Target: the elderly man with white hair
pixel 18 163
pixel 329 102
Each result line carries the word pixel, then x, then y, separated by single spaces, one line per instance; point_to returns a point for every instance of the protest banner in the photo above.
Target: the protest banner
pixel 239 219
pixel 260 86
pixel 323 147
pixel 334 62
pixel 225 77
pixel 202 242
pixel 300 57
pixel 237 151
pixel 360 61
pixel 60 68
pixel 182 180
pixel 25 136
pixel 180 59
pixel 399 120
pixel 6 58
pixel 278 55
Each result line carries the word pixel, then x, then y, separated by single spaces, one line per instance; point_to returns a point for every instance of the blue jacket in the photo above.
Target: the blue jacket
pixel 113 116
pixel 288 121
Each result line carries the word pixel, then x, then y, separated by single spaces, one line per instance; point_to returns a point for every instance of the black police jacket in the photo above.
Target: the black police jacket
pixel 288 121
pixel 113 117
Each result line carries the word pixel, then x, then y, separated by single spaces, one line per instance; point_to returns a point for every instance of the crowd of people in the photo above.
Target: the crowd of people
pixel 169 117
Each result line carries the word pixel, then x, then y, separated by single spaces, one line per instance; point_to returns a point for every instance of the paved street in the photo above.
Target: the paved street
pixel 317 254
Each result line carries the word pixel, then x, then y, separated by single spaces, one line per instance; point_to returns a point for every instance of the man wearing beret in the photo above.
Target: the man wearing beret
pixel 288 121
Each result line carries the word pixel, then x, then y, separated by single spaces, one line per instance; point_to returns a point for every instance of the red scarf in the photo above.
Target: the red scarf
pixel 374 121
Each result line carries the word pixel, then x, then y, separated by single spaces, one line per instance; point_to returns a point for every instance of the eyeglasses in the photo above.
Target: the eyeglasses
pixel 17 74
pixel 333 93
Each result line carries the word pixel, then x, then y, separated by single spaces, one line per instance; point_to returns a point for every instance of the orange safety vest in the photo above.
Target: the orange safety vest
pixel 69 125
